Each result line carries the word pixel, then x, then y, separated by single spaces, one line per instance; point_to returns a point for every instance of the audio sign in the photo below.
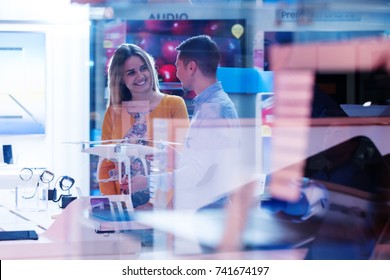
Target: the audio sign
pixel 168 16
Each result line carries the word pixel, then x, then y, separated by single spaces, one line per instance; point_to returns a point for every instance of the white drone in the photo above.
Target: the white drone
pixel 120 151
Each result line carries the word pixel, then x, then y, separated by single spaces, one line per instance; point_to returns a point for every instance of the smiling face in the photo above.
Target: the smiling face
pixel 183 74
pixel 137 77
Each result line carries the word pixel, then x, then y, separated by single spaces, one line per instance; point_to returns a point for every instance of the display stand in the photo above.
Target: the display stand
pixel 72 235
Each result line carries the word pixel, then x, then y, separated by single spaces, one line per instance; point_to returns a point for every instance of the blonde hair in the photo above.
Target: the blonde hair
pixel 118 90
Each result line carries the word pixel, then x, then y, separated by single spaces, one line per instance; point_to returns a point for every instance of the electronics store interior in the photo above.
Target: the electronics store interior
pixel 104 105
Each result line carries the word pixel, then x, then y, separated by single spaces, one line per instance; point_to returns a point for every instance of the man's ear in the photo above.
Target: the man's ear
pixel 192 66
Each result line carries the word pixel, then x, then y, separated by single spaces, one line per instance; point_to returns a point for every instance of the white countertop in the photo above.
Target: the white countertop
pixel 25 219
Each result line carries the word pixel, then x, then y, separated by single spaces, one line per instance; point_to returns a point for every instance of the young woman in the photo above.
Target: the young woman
pixel 135 101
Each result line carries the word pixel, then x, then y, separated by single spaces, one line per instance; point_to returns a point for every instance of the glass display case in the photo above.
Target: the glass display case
pixel 159 38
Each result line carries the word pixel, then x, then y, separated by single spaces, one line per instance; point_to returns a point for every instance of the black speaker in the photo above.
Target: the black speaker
pixel 7 154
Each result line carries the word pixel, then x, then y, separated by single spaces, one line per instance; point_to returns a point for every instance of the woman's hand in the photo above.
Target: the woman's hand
pixel 138 183
pixel 124 183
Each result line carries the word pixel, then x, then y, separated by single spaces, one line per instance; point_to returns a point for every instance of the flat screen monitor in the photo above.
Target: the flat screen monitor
pixel 360 93
pixel 160 38
pixel 22 82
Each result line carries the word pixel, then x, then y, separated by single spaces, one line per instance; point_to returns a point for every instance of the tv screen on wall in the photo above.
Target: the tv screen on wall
pixel 160 38
pixel 22 83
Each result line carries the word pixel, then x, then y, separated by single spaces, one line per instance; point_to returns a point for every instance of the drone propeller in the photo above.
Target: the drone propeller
pixel 123 141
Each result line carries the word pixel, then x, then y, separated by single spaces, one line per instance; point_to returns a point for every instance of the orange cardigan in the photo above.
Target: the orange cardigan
pixel 116 123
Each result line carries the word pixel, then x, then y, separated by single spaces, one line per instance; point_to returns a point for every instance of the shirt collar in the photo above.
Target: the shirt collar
pixel 207 93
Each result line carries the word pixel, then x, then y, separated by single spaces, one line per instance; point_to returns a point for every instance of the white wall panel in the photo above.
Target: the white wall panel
pixel 66 29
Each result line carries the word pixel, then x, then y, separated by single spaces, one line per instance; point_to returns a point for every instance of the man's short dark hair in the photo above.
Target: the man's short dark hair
pixel 203 50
